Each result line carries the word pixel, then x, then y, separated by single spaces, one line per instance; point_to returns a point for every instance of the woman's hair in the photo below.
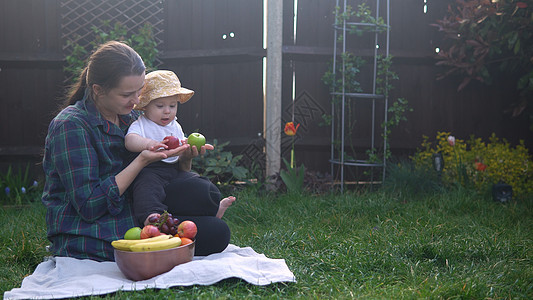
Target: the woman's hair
pixel 106 67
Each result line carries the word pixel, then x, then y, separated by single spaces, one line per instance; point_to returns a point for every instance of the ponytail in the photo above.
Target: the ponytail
pixel 77 90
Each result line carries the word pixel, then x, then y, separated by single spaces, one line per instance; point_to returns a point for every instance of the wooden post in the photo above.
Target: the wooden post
pixel 273 86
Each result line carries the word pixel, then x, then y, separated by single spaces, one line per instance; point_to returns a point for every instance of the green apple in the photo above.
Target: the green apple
pixel 196 139
pixel 133 233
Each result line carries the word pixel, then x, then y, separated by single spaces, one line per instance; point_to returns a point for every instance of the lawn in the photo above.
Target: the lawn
pixel 382 244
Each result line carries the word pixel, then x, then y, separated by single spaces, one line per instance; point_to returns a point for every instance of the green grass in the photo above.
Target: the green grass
pixel 385 244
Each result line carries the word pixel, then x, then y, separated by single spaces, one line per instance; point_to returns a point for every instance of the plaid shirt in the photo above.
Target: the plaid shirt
pixel 83 153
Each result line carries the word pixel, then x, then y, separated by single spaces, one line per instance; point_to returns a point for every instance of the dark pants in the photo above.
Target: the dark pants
pixel 187 196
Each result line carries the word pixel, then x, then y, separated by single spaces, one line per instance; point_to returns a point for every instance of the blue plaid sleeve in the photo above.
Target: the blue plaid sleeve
pixel 77 163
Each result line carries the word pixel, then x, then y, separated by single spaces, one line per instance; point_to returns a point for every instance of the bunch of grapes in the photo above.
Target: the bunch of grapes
pixel 165 222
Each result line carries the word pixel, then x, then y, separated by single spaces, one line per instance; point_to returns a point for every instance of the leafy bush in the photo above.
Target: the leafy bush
pixel 221 167
pixel 490 38
pixel 479 165
pixel 143 42
pixel 17 188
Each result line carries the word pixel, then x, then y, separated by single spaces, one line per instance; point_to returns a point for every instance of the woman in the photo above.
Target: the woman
pixel 88 169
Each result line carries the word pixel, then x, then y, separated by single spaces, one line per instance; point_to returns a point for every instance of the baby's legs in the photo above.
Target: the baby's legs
pixel 148 193
pixel 191 195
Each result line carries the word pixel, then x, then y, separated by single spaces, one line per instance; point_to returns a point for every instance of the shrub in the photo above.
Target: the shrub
pixel 479 165
pixel 487 40
pixel 221 167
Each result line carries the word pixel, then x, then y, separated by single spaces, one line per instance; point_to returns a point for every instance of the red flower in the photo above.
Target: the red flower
pixel 480 166
pixel 521 4
pixel 290 130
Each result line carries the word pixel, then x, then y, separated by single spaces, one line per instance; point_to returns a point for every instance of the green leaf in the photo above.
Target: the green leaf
pixel 512 39
pixel 516 47
pixel 240 172
pixel 293 177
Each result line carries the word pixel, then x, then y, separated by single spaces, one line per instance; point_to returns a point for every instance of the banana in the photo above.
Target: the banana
pixel 125 245
pixel 157 245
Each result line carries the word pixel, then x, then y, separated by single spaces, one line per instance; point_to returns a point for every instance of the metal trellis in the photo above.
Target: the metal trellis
pixel 346 96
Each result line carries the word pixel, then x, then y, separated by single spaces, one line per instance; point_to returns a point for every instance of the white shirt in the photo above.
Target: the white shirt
pixel 149 129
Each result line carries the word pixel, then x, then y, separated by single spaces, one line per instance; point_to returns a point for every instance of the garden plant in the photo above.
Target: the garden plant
pixel 479 165
pixel 353 66
pixel 220 166
pixel 17 188
pixel 143 41
pixel 488 41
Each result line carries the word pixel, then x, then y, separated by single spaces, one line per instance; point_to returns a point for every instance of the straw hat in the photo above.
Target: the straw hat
pixel 162 83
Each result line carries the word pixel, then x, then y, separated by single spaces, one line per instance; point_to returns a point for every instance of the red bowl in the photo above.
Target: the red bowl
pixel 144 265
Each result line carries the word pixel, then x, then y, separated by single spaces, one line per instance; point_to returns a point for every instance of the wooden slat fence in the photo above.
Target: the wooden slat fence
pixel 216 48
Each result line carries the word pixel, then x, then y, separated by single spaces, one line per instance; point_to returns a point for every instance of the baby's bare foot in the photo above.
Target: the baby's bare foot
pixel 224 204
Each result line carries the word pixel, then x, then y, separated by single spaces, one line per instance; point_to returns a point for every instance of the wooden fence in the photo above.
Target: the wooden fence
pixel 216 48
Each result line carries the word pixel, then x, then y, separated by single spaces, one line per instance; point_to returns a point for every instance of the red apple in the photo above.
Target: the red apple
pixel 172 142
pixel 149 231
pixel 196 139
pixel 187 229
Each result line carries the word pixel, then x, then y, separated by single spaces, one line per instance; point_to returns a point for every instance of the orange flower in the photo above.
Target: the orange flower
pixel 290 130
pixel 480 166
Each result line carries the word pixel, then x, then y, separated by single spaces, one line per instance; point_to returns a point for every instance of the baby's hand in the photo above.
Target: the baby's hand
pixel 155 145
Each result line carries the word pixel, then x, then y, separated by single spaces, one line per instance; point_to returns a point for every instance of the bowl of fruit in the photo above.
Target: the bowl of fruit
pixel 152 250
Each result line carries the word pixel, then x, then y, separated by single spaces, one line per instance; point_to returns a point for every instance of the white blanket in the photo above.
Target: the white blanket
pixel 64 277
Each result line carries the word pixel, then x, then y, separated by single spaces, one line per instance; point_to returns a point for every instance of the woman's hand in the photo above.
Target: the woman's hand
pixel 149 156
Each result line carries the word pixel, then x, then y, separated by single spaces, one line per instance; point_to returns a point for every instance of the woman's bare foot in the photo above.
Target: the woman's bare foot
pixel 224 204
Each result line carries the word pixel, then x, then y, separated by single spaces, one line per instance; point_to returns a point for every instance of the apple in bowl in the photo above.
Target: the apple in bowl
pixel 187 229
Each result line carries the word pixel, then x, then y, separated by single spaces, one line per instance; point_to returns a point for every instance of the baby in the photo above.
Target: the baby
pixel 159 103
